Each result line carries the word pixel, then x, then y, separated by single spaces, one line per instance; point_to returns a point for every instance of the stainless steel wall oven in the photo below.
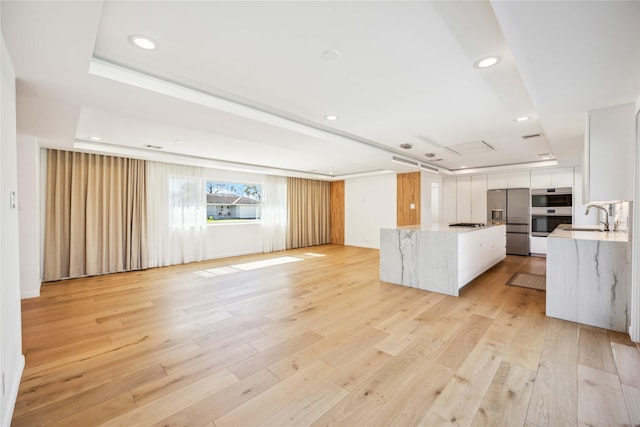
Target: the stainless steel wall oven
pixel 550 207
pixel 545 220
pixel 552 197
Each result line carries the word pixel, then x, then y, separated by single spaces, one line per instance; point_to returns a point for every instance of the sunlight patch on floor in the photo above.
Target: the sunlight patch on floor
pixel 212 272
pixel 266 263
pixel 229 269
pixel 313 254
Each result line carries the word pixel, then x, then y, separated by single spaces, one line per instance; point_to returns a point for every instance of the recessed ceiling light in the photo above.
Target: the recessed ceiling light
pixel 487 62
pixel 95 138
pixel 143 42
pixel 522 119
pixel 406 146
pixel 331 117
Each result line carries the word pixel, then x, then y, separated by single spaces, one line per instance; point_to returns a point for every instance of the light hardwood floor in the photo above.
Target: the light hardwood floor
pixel 317 341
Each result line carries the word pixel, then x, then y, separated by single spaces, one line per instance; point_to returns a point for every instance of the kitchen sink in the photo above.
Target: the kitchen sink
pixel 583 229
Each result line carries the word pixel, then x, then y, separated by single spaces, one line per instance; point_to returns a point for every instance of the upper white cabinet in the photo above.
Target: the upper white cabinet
pixel 519 179
pixel 550 178
pixel 608 154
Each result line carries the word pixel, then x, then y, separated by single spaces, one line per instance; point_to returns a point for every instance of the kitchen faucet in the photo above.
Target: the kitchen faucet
pixel 606 215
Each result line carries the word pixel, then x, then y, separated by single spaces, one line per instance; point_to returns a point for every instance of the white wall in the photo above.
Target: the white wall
pixel 11 358
pixel 29 215
pixel 224 240
pixel 369 205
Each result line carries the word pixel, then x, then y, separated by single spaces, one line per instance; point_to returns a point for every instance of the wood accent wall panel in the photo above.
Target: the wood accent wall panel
pixel 336 225
pixel 408 193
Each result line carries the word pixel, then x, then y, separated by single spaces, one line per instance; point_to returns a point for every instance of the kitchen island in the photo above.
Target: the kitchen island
pixel 439 258
pixel 589 277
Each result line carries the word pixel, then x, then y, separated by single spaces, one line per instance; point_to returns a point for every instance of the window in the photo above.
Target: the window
pixel 230 202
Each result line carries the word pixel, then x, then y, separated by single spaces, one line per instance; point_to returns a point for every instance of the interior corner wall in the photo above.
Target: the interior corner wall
pixel 370 204
pixel 29 215
pixel 11 358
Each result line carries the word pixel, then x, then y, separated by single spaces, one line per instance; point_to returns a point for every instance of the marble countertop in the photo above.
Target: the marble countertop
pixel 610 236
pixel 444 228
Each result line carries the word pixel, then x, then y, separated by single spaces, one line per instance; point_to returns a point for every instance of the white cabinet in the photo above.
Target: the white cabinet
pixel 479 198
pixel 463 197
pixel 496 181
pixel 538 245
pixel 519 179
pixel 562 177
pixel 449 196
pixel 549 178
pixel 608 154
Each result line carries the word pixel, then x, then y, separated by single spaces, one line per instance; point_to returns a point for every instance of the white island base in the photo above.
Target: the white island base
pixel 439 258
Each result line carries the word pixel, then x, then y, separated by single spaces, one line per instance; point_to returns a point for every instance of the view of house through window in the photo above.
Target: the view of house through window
pixel 227 202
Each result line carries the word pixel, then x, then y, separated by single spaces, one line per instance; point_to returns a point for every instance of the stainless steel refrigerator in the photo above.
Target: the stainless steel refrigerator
pixel 511 207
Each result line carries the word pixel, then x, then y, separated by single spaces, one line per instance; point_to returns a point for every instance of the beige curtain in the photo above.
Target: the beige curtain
pixel 95 215
pixel 308 204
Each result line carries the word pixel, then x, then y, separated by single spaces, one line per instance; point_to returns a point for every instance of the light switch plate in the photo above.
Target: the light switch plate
pixel 12 200
pixel 412 206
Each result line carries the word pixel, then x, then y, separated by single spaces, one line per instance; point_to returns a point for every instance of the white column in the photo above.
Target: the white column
pixel 634 329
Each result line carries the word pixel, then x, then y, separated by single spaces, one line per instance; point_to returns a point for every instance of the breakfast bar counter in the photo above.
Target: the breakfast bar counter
pixel 589 277
pixel 439 258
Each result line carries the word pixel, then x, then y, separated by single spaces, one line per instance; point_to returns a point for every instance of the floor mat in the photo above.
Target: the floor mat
pixel 525 280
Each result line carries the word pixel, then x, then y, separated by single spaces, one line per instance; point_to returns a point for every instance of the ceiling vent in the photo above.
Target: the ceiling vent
pixel 428 168
pixel 404 161
pixel 406 146
pixel 533 135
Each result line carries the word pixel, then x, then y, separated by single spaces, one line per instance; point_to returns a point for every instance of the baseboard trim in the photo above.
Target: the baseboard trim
pixel 12 393
pixel 30 295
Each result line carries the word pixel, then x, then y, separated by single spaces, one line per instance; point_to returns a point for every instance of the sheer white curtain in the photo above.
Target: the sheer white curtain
pixel 177 214
pixel 274 214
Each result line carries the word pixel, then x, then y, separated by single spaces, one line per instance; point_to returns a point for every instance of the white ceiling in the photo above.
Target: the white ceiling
pixel 245 82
